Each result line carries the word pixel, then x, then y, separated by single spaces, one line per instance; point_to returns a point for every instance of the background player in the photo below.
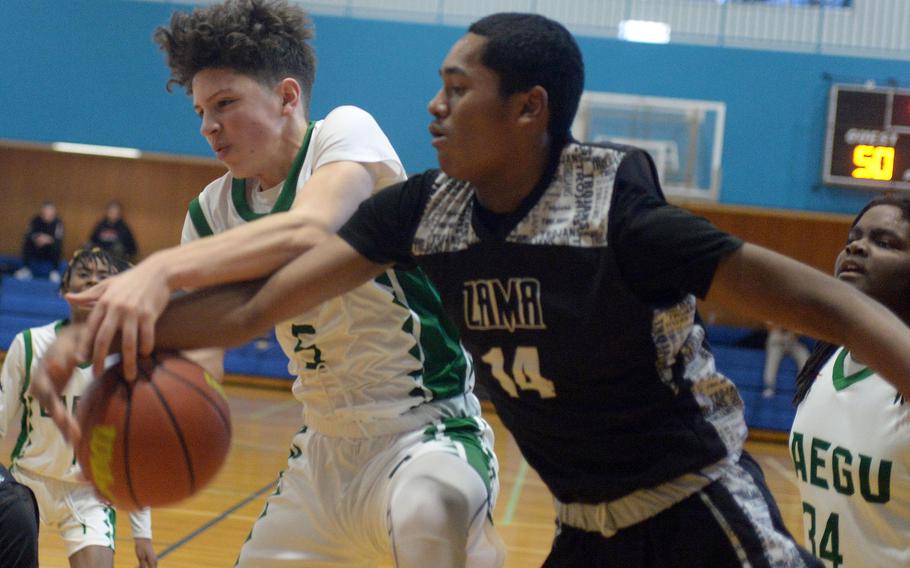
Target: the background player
pixel 574 284
pixel 850 440
pixel 42 459
pixel 394 455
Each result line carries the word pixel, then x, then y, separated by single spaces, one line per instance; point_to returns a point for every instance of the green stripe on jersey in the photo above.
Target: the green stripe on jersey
pixel 288 189
pixel 841 380
pixel 465 433
pixel 198 218
pixel 26 427
pixel 445 366
pixel 111 523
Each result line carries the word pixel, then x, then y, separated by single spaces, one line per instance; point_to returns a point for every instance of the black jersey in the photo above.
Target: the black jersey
pixel 579 311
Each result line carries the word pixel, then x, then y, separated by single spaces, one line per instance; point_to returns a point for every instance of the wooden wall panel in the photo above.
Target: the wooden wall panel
pixel 154 191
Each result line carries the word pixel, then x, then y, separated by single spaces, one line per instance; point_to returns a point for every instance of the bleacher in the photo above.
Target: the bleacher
pixel 743 361
pixel 31 303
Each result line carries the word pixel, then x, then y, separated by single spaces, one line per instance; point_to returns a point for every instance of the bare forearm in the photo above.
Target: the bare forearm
pixel 232 314
pixel 210 317
pixel 248 252
pixel 327 271
pixel 767 286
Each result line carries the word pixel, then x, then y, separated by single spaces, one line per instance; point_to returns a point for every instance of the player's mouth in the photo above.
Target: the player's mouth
pixel 850 268
pixel 438 134
pixel 221 150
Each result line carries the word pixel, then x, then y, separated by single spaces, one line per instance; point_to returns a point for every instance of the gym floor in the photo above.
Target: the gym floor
pixel 208 529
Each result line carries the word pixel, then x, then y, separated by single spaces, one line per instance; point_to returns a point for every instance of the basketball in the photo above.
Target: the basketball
pixel 156 440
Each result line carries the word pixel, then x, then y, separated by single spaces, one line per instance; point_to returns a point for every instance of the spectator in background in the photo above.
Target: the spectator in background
pixel 781 342
pixel 43 245
pixel 113 234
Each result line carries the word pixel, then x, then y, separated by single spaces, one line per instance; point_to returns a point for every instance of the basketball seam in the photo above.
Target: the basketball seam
pixel 160 364
pixel 126 444
pixel 178 432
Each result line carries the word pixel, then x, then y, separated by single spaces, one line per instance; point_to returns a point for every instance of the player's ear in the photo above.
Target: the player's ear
pixel 291 94
pixel 534 104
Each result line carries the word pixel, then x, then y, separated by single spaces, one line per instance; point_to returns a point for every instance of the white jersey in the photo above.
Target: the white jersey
pixel 41 456
pixel 850 444
pixel 368 361
pixel 40 447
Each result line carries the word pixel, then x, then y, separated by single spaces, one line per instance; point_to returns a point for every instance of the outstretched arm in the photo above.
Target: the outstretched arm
pixel 131 302
pixel 234 314
pixel 222 316
pixel 769 286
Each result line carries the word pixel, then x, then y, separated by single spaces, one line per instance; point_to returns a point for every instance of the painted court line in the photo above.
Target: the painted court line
pixel 215 521
pixel 785 472
pixel 512 504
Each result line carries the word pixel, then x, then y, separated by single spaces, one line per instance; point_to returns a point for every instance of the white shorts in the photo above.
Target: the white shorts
pixel 331 506
pixel 80 517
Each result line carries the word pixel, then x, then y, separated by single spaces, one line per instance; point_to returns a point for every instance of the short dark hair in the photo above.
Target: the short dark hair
pixel 898 200
pixel 93 256
pixel 265 39
pixel 526 50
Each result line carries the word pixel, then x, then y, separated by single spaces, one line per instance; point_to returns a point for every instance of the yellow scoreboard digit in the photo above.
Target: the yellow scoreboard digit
pixel 875 162
pixel 867 143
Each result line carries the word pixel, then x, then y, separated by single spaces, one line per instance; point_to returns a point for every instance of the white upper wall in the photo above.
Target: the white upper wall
pixel 871 28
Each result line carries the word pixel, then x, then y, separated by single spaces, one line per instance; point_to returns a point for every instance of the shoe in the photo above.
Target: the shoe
pixel 54 277
pixel 23 273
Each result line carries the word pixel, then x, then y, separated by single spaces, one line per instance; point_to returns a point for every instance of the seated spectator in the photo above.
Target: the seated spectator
pixel 113 234
pixel 43 245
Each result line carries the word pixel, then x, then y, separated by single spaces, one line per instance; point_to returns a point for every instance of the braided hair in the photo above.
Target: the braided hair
pixel 824 350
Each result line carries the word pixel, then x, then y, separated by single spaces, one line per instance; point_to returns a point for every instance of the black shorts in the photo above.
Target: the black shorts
pixel 732 522
pixel 18 526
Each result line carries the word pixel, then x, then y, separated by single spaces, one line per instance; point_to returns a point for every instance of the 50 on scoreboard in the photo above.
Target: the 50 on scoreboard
pixel 867 144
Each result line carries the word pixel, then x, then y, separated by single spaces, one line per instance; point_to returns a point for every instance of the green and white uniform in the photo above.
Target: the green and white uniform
pixel 44 461
pixel 380 373
pixel 850 444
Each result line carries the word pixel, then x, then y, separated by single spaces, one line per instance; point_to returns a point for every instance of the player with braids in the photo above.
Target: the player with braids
pixel 393 458
pixel 850 440
pixel 41 458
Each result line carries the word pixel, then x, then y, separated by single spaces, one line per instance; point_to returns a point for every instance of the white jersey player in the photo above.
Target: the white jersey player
pixel 393 459
pixel 373 371
pixel 850 441
pixel 42 459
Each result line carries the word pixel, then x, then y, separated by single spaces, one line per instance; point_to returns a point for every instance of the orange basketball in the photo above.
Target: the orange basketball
pixel 156 440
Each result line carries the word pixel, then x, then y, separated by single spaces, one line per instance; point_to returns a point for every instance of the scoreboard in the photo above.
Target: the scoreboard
pixel 867 144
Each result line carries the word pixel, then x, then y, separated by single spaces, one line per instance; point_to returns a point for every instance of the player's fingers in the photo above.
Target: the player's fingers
pixel 68 426
pixel 103 338
pixel 95 317
pixel 88 295
pixel 128 338
pixel 146 336
pixel 43 390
